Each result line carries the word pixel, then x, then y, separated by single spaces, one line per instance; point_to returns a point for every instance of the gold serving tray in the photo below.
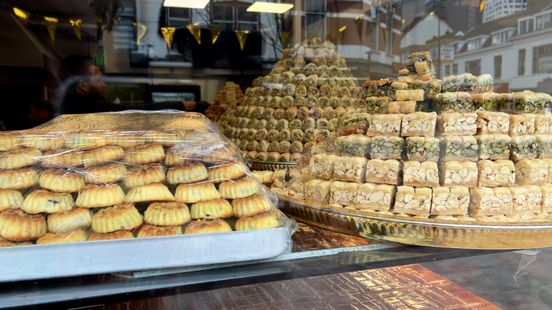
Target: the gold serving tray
pixel 270 165
pixel 425 232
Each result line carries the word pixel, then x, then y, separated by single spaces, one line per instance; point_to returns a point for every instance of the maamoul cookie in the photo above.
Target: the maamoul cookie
pixel 10 199
pixel 241 188
pixel 165 138
pixel 18 178
pixel 207 226
pixel 225 172
pixel 100 195
pixel 176 157
pixel 149 192
pixel 191 193
pixel 102 155
pixel 265 177
pixel 62 159
pixel 16 225
pixel 126 138
pixel 19 158
pixel 76 235
pixel 43 141
pixel 251 205
pixel 167 214
pixel 110 173
pixel 265 220
pixel 6 243
pixel 61 180
pixel 143 175
pixel 45 201
pixel 8 141
pixel 85 140
pixel 191 173
pixel 69 220
pixel 119 234
pixel 211 209
pixel 144 154
pixel 154 231
pixel 122 216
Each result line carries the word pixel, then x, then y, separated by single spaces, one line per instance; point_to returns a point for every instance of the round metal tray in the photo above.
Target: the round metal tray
pixel 270 165
pixel 426 232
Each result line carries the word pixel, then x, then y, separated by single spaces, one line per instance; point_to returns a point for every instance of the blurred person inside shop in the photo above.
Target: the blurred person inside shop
pixel 83 90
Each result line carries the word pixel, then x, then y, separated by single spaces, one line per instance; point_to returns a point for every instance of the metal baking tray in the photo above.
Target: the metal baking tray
pixel 32 262
pixel 270 165
pixel 419 231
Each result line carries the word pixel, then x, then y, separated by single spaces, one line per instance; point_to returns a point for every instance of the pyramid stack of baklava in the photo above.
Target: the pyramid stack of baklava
pixel 285 113
pixel 467 154
pixel 228 96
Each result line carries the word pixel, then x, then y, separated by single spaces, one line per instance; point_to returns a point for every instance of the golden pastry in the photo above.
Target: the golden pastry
pixel 19 158
pixel 191 193
pixel 143 175
pixel 165 138
pixel 110 173
pixel 6 243
pixel 225 172
pixel 62 159
pixel 8 141
pixel 241 188
pixel 207 226
pixel 45 201
pixel 119 234
pixel 265 220
pixel 154 231
pixel 144 154
pixel 167 214
pixel 16 225
pixel 100 195
pixel 265 177
pixel 77 235
pixel 251 205
pixel 211 209
pixel 85 140
pixel 122 216
pixel 61 180
pixel 18 178
pixel 10 199
pixel 176 157
pixel 126 138
pixel 43 141
pixel 149 192
pixel 69 220
pixel 102 155
pixel 191 173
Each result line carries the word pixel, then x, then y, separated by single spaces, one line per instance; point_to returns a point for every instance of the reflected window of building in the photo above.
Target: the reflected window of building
pixel 315 18
pixel 526 25
pixel 230 17
pixel 455 69
pixel 179 17
pixel 542 59
pixel 447 70
pixel 474 67
pixel 543 21
pixel 521 62
pixel 498 67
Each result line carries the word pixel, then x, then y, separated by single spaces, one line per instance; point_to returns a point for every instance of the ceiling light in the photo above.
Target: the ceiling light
pixel 192 4
pixel 270 7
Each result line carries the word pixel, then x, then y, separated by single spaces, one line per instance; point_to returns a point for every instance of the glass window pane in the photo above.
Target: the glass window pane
pixel 315 5
pixel 222 12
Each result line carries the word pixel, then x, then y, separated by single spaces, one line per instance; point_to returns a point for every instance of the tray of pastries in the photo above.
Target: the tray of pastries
pixel 130 191
pixel 459 166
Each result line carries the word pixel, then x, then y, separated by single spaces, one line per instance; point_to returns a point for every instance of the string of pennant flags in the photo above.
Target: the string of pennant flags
pixel 51 24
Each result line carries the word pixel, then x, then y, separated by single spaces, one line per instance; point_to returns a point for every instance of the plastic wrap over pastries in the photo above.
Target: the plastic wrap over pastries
pixel 124 175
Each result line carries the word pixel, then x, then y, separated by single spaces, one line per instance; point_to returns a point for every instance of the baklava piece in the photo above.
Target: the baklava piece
pixel 384 171
pixel 413 201
pixel 457 124
pixel 420 174
pixel 419 124
pixel 496 173
pixel 422 148
pixel 450 201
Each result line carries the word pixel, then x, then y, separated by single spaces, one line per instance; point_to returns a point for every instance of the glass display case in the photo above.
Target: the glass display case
pixel 407 144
